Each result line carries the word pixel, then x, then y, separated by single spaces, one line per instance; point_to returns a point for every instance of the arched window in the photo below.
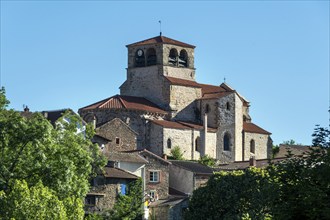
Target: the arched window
pixel 183 59
pixel 198 144
pixel 139 58
pixel 226 142
pixel 228 106
pixel 172 58
pixel 252 146
pixel 151 57
pixel 169 143
pixel 207 108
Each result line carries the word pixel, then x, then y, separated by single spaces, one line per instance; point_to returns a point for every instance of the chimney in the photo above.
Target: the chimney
pixel 94 122
pixel 204 140
pixel 253 161
pixel 164 156
pixel 26 109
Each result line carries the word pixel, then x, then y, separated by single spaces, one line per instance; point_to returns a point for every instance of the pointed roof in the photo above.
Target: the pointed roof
pixel 125 102
pixel 161 40
pixel 252 128
pixel 117 173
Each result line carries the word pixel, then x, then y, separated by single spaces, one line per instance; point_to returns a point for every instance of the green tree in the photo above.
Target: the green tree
pixel 232 195
pixel 296 188
pixel 58 161
pixel 176 153
pixel 321 137
pixel 207 160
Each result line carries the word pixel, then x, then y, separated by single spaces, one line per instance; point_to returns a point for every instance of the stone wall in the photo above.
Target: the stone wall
pixel 146 82
pixel 182 101
pixel 121 137
pixel 155 164
pixel 226 124
pixel 261 145
pixel 213 114
pixel 110 188
pixel 134 119
pixel 156 141
pixel 238 128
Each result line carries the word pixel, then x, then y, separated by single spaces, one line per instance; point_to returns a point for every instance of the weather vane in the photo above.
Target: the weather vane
pixel 224 79
pixel 160 27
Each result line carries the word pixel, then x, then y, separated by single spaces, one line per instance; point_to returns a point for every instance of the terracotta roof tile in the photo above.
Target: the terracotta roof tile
pixel 194 167
pixel 125 157
pixel 252 128
pixel 126 102
pixel 162 40
pixel 114 172
pixel 182 82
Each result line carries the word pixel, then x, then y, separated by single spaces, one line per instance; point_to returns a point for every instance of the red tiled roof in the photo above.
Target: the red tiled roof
pixel 181 125
pixel 114 172
pixel 182 82
pixel 162 40
pixel 252 128
pixel 126 102
pixel 143 152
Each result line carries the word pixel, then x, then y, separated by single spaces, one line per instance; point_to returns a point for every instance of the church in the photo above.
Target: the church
pixel 161 106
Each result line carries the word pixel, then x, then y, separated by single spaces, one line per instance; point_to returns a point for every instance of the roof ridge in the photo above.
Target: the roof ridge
pixel 122 101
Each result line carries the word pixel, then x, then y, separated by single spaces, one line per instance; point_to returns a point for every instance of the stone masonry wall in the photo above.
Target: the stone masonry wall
pixel 110 188
pixel 213 114
pixel 134 119
pixel 261 148
pixel 182 100
pixel 161 187
pixel 238 128
pixel 226 124
pixel 146 82
pixel 118 129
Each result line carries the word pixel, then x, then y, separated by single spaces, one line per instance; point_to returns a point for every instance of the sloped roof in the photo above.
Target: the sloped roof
pixel 252 128
pixel 125 157
pixel 182 82
pixel 241 165
pixel 161 40
pixel 145 151
pixel 126 102
pixel 114 172
pixel 194 167
pixel 181 125
pixel 296 150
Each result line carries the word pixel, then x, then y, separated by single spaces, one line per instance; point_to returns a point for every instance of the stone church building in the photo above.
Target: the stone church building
pixel 161 106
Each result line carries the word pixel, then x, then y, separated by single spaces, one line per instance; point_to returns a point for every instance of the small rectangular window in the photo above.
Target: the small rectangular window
pixel 123 189
pixel 117 140
pixel 154 176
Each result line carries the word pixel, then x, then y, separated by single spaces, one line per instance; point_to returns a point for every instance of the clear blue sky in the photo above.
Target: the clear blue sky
pixel 59 54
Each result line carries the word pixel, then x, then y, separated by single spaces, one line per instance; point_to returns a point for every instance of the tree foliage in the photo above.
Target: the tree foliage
pixel 207 160
pixel 176 153
pixel 297 188
pixel 321 136
pixel 40 161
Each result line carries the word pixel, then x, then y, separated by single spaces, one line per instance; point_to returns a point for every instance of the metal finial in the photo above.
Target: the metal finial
pixel 160 28
pixel 224 79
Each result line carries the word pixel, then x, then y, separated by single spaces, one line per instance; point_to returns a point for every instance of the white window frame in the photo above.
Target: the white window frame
pixel 152 178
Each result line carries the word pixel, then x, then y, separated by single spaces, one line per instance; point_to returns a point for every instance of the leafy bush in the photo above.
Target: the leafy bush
pixel 176 153
pixel 207 160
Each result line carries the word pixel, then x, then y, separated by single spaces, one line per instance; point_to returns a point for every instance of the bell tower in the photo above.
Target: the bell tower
pixel 151 61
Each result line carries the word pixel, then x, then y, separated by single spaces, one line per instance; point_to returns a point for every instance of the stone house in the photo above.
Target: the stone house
pixel 153 170
pixel 105 188
pixel 164 105
pixel 188 176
